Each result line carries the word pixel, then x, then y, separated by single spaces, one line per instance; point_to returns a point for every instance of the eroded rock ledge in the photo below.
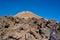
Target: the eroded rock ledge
pixel 14 28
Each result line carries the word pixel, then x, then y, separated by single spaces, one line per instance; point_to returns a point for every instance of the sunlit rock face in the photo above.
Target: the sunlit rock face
pixel 28 26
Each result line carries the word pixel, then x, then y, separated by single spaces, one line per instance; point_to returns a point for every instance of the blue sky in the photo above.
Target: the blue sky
pixel 49 9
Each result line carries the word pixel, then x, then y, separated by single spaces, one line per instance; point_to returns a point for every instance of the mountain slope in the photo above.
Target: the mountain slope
pixel 28 26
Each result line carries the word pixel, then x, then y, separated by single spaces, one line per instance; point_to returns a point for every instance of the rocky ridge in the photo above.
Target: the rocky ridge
pixel 28 26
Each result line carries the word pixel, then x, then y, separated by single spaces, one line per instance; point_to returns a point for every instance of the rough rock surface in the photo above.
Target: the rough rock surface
pixel 32 28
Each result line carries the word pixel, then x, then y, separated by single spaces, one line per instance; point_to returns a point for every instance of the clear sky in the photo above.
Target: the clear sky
pixel 49 9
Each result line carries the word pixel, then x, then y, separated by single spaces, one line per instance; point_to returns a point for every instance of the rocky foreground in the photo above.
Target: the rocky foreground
pixel 32 28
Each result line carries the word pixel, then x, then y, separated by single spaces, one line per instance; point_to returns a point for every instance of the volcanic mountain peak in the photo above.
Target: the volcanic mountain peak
pixel 26 14
pixel 34 28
